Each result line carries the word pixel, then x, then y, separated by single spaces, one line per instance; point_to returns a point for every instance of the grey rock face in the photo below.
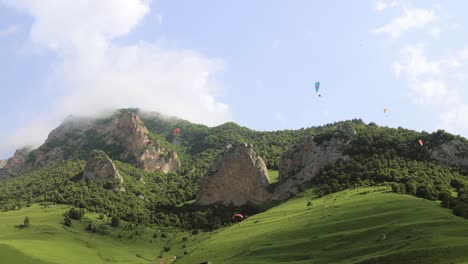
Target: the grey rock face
pixel 100 167
pixel 303 161
pixel 238 176
pixel 453 153
pixel 16 164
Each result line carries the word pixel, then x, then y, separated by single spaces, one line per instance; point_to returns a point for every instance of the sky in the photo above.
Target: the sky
pixel 251 62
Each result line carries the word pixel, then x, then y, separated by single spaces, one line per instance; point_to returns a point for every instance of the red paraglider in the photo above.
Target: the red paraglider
pixel 176 131
pixel 421 142
pixel 237 217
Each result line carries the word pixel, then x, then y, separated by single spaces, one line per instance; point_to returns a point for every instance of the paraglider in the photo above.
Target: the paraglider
pixel 176 131
pixel 421 142
pixel 317 88
pixel 237 217
pixel 385 110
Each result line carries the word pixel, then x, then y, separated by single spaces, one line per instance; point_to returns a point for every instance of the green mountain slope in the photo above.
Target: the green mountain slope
pixel 48 241
pixel 363 225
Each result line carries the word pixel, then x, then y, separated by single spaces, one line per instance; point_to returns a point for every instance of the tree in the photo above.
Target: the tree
pixel 67 220
pixel 447 200
pixel 26 221
pixel 461 210
pixel 395 187
pixel 115 222
pixel 76 214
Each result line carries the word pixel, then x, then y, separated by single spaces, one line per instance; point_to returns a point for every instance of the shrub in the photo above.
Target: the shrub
pixel 115 222
pixel 76 214
pixel 67 220
pixel 26 221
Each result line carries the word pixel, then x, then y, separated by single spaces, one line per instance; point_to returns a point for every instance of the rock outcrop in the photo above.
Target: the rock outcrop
pixel 100 167
pixel 2 164
pixel 303 161
pixel 131 134
pixel 16 164
pixel 454 153
pixel 123 137
pixel 237 177
pixel 348 130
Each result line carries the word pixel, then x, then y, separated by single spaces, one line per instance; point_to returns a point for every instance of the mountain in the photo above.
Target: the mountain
pixel 123 136
pixel 129 167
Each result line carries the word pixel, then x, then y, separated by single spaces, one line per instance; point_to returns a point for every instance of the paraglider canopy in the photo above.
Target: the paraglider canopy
pixel 237 217
pixel 421 142
pixel 176 131
pixel 317 86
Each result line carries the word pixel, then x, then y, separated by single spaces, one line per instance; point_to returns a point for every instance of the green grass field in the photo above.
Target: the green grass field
pixel 274 176
pixel 47 241
pixel 365 225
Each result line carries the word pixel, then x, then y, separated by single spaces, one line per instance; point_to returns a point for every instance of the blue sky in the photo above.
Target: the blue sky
pixel 252 62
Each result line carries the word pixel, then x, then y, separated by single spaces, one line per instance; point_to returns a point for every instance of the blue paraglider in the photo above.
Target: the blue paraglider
pixel 317 88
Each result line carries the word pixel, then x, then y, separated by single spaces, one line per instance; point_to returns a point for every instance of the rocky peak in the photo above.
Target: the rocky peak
pixel 16 164
pixel 237 177
pixel 100 167
pixel 303 161
pixel 130 132
pixel 123 137
pixel 454 152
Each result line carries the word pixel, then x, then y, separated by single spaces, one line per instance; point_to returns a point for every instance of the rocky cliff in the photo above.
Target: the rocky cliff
pixel 100 167
pixel 237 177
pixel 16 164
pixel 2 164
pixel 123 137
pixel 132 136
pixel 453 153
pixel 303 161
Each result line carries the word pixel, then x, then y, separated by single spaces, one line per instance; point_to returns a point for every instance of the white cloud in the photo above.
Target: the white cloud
pixel 410 19
pixel 455 119
pixel 95 73
pixel 438 84
pixel 413 63
pixel 382 5
pixel 11 30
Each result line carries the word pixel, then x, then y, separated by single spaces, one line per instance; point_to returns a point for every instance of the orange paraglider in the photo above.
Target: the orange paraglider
pixel 176 131
pixel 237 217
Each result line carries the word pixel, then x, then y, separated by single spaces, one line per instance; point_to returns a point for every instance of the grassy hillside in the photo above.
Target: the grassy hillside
pixel 363 225
pixel 47 241
pixel 274 176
